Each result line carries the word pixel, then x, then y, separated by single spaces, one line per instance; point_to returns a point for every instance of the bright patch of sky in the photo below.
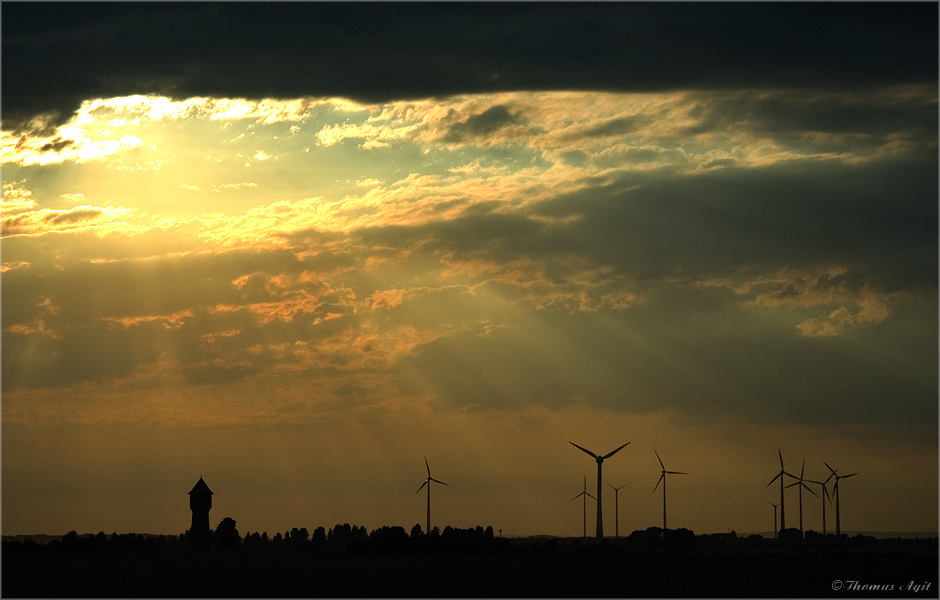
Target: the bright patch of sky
pixel 762 256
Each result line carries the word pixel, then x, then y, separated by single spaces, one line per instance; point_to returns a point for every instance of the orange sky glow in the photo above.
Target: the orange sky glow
pixel 301 299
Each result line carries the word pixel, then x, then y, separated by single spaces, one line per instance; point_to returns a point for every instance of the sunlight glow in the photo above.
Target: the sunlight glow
pixel 477 276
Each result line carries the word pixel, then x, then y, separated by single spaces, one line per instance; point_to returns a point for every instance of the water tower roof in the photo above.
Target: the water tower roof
pixel 201 489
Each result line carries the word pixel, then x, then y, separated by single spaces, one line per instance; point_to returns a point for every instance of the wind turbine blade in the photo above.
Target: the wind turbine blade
pixel 590 496
pixel 661 477
pixel 609 454
pixel 786 487
pixel 427 466
pixel 659 459
pixel 781 458
pixel 422 485
pixel 579 495
pixel 830 468
pixel 850 475
pixel 676 473
pixel 775 478
pixel 583 449
pixel 437 480
pixel 807 488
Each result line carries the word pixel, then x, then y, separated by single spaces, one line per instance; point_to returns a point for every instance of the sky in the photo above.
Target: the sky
pixel 298 249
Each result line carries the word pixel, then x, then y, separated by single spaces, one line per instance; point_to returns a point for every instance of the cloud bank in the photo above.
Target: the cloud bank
pixel 493 251
pixel 376 53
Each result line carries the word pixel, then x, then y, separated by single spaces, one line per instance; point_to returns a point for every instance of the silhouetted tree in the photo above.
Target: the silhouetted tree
pixel 319 538
pixel 101 541
pixel 791 537
pixel 416 531
pixel 70 540
pixel 813 539
pixel 226 534
pixel 680 540
pixel 298 538
pixel 388 539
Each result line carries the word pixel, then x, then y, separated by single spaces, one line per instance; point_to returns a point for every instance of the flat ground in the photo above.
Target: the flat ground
pixel 520 574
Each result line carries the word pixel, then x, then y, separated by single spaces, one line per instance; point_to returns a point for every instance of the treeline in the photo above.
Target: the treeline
pixel 340 538
pixel 73 542
pixel 351 538
pixel 347 538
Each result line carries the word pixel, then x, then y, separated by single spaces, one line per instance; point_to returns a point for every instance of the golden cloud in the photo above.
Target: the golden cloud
pixel 871 310
pixel 826 285
pixel 171 321
pixel 100 220
pixel 16 197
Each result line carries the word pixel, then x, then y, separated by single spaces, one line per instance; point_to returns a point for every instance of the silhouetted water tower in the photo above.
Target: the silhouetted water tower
pixel 200 502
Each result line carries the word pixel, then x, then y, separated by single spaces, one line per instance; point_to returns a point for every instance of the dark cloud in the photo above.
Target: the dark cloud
pixel 57 145
pixel 797 213
pixel 485 123
pixel 616 126
pixel 862 113
pixel 72 216
pixel 57 54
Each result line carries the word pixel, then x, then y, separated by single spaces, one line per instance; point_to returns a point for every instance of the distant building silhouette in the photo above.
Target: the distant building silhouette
pixel 200 502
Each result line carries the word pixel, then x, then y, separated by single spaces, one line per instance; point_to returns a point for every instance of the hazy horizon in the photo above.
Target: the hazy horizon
pixel 482 234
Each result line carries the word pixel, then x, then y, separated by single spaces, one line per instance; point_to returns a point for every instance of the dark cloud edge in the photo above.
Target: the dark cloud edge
pixel 397 51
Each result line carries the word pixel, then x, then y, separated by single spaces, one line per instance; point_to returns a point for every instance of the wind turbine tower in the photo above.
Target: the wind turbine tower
pixel 617 508
pixel 775 515
pixel 824 497
pixel 799 482
pixel 600 462
pixel 585 495
pixel 662 479
pixel 835 492
pixel 427 482
pixel 783 518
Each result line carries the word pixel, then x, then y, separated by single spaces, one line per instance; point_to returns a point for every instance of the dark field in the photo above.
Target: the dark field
pixel 581 573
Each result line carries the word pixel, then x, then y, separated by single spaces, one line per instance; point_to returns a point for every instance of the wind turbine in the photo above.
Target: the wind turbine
pixel 662 479
pixel 617 508
pixel 783 519
pixel 801 485
pixel 824 497
pixel 427 482
pixel 775 515
pixel 835 492
pixel 585 495
pixel 600 461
